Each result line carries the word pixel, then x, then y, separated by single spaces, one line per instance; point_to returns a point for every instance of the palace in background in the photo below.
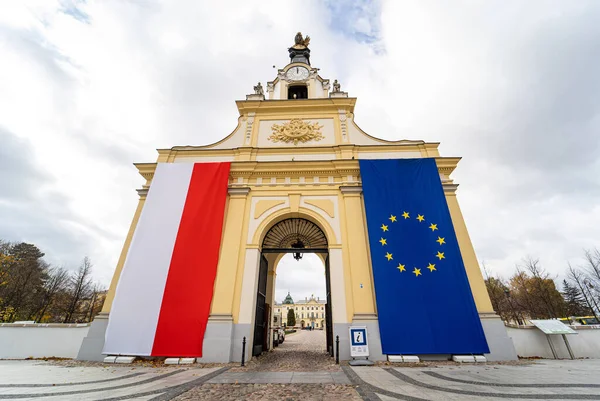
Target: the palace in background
pixel 309 313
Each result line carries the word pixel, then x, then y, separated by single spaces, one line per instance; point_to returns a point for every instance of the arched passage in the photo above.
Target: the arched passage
pixel 298 236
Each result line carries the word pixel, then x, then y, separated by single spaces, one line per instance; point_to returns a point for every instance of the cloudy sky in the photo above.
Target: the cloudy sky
pixel 87 88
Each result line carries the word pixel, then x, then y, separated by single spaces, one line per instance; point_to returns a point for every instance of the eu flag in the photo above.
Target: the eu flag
pixel 424 301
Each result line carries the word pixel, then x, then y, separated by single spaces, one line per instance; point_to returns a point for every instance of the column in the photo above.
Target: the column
pixel 357 246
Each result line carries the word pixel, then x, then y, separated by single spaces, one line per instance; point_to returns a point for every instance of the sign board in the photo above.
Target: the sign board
pixel 553 327
pixel 358 342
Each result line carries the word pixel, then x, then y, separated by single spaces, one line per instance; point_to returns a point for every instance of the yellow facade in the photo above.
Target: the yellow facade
pixel 318 180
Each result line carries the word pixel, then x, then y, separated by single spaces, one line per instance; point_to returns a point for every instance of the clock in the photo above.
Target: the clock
pixel 297 74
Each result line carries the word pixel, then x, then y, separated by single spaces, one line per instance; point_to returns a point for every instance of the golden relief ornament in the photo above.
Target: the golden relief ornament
pixel 296 130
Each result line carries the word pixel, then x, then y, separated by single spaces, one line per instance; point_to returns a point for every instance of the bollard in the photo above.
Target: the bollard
pixel 337 350
pixel 243 350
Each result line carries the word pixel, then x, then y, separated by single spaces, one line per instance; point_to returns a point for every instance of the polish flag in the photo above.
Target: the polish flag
pixel 164 293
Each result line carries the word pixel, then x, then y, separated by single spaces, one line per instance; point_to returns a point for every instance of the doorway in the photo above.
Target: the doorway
pixel 296 236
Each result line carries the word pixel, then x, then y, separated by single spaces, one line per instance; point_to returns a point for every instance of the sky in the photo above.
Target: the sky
pixel 89 87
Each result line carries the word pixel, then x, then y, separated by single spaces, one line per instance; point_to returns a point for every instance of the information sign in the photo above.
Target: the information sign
pixel 553 327
pixel 358 342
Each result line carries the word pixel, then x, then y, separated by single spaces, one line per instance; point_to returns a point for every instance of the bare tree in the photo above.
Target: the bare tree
pixel 56 282
pixel 79 288
pixel 542 281
pixel 578 278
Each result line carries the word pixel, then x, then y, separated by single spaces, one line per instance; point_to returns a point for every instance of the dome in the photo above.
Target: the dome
pixel 288 299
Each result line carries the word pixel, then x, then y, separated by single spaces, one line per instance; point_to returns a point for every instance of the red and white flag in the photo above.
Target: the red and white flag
pixel 163 297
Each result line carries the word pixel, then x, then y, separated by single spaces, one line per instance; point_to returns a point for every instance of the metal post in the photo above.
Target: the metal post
pixel 551 346
pixel 243 350
pixel 568 346
pixel 337 350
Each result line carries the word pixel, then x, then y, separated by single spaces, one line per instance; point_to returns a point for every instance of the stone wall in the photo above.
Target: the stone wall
pixel 20 341
pixel 531 342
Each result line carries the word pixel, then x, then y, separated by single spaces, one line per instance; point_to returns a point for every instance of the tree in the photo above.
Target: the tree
pixel 79 289
pixel 26 274
pixel 575 303
pixel 53 286
pixel 291 318
pixel 578 278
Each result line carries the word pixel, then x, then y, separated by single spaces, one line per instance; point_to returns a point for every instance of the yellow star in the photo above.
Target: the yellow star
pixel 431 267
pixel 401 267
pixel 405 215
pixel 417 272
pixel 384 227
pixel 392 218
pixel 440 255
pixel 383 241
pixel 433 227
pixel 420 218
pixel 440 240
pixel 388 256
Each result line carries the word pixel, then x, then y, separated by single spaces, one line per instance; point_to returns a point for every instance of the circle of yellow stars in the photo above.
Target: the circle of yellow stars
pixel 433 227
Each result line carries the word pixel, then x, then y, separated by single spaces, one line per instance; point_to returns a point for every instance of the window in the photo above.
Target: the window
pixel 275 319
pixel 298 92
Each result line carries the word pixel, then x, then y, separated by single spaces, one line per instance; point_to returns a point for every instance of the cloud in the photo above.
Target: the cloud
pixel 303 278
pixel 87 88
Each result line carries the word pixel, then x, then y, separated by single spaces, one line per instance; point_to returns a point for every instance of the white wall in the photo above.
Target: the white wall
pixel 20 341
pixel 531 341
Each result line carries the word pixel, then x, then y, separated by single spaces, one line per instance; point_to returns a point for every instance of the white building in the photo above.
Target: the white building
pixel 309 312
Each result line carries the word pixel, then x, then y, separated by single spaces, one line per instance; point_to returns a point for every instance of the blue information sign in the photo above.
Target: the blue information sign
pixel 358 342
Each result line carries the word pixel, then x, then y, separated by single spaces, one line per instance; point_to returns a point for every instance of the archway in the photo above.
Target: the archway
pixel 297 236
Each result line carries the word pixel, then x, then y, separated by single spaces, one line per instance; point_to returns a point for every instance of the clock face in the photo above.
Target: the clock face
pixel 297 74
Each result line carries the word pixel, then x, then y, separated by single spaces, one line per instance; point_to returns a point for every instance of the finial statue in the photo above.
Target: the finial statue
pixel 299 42
pixel 258 89
pixel 336 86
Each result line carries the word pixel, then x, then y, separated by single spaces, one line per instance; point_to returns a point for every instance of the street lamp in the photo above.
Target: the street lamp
pixel 507 293
pixel 591 294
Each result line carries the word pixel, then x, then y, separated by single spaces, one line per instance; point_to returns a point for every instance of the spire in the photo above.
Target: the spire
pixel 299 52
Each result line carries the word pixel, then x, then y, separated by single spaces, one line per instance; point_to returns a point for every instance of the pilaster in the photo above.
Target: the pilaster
pixel 480 294
pixel 223 297
pixel 110 296
pixel 357 247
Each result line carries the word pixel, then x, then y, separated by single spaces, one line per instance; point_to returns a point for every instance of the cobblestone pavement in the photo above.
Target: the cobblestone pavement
pixel 272 392
pixel 303 351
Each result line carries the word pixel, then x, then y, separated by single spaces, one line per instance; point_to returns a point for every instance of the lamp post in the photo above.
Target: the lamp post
pixel 586 283
pixel 507 293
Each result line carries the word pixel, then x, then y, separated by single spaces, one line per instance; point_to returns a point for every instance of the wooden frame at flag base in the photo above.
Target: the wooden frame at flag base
pixel 318 179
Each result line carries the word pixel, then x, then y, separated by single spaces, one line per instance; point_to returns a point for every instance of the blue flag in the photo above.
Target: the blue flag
pixel 424 301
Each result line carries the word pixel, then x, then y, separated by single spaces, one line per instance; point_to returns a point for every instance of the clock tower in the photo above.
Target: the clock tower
pixel 298 80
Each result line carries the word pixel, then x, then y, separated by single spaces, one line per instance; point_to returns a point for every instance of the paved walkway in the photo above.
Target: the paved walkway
pixel 545 380
pixel 542 380
pixel 303 351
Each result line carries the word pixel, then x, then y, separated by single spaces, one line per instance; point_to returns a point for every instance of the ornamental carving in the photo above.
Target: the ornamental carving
pixel 296 130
